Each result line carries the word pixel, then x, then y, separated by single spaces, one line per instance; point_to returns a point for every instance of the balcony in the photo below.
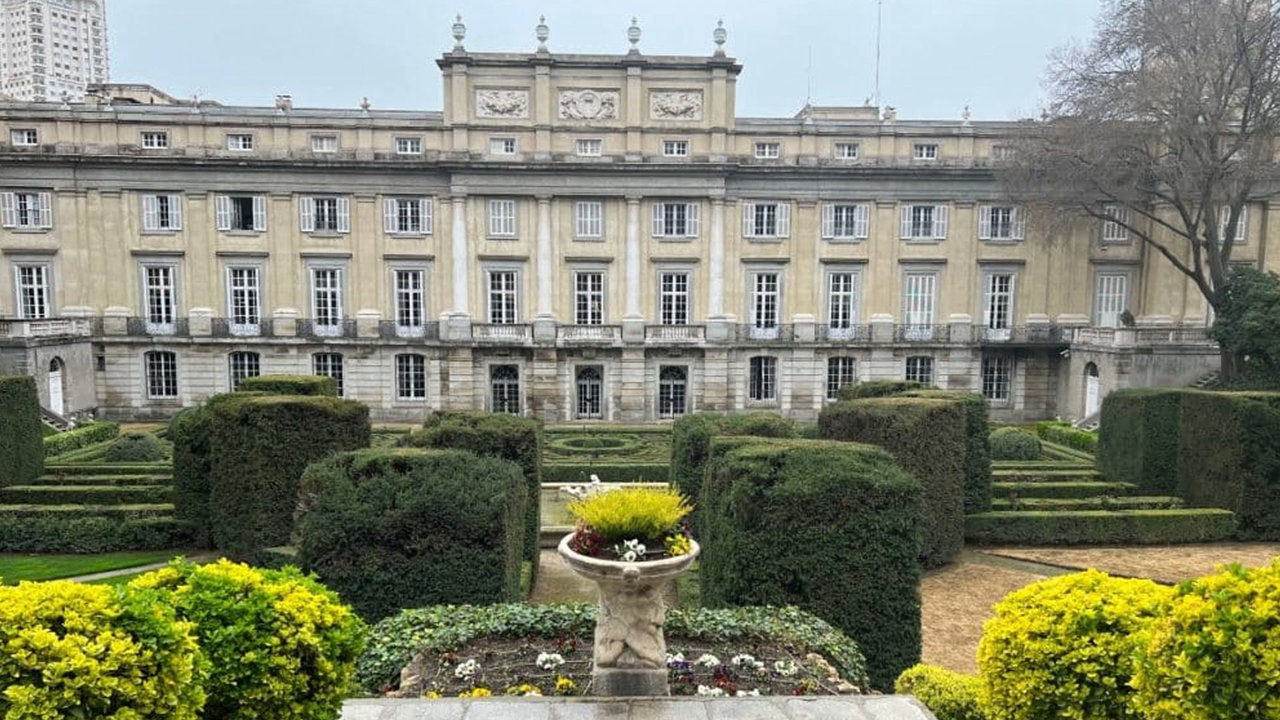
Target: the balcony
pixel 508 334
pixel 662 334
pixel 327 330
pixel 142 327
pixel 224 328
pixel 852 335
pixel 392 330
pixel 922 333
pixel 589 334
pixel 1042 334
pixel 47 327
pixel 752 333
pixel 1172 335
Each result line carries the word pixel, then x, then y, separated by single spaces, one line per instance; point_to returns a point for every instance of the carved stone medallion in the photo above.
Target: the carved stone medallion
pixel 502 103
pixel 588 104
pixel 675 105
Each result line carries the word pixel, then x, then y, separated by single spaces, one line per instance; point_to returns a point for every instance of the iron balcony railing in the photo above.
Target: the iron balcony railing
pixel 391 330
pixel 1044 334
pixel 674 333
pixel 853 334
pixel 309 328
pixel 144 327
pixel 225 328
pixel 749 332
pixel 922 333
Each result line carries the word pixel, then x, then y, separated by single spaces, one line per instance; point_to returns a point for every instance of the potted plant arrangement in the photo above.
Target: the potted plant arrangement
pixel 631 542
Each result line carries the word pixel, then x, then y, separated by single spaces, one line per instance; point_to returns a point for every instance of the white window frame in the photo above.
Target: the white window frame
pixel 162 212
pixel 502 300
pixel 675 296
pixel 503 217
pixel 1242 225
pixel 330 365
pixel 225 213
pixel 329 295
pixel 675 148
pixel 846 151
pixel 241 365
pixel 920 362
pixel 26 210
pixel 1110 297
pixel 159 300
pixel 153 140
pixel 411 377
pixel 768 150
pixel 398 215
pixel 762 379
pixel 765 302
pixel 33 297
pixel 324 143
pixel 165 385
pixel 841 370
pixel 769 220
pixel 925 152
pixel 504 145
pixel 409 300
pixel 913 223
pixel 675 219
pixel 309 216
pixel 510 401
pixel 999 303
pixel 24 137
pixel 846 221
pixel 1001 223
pixel 588 219
pixel 996 377
pixel 1113 231
pixel 247 319
pixel 240 142
pixel 408 145
pixel 588 147
pixel 919 303
pixel 589 296
pixel 843 286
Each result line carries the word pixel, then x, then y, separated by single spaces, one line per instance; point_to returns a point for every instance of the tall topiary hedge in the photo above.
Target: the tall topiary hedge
pixel 1138 438
pixel 830 527
pixel 928 437
pixel 498 435
pixel 399 528
pixel 290 385
pixel 977 458
pixel 259 447
pixel 21 436
pixel 691 440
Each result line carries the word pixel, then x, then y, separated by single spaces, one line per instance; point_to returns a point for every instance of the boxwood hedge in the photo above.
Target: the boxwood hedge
pixel 290 385
pixel 691 439
pixel 1138 439
pixel 21 434
pixel 78 437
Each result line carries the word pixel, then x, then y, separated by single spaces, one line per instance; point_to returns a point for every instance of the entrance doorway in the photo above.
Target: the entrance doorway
pixel 1092 392
pixel 56 402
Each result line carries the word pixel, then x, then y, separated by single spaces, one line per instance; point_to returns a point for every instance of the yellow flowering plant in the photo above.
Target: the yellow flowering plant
pixel 631 524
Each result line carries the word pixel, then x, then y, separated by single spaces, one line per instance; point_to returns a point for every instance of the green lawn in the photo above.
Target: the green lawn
pixel 15 567
pixel 119 579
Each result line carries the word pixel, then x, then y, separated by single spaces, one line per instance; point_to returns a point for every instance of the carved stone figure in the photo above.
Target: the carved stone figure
pixel 588 104
pixel 502 103
pixel 675 105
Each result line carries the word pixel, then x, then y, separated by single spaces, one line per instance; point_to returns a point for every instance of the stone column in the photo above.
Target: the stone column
pixel 715 265
pixel 458 326
pixel 633 320
pixel 544 323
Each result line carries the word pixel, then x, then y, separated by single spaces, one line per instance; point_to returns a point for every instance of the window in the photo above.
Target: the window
pixel 324 143
pixel 673 391
pixel 764 304
pixel 588 147
pixel 768 150
pixel 32 283
pixel 675 219
pixel 917 305
pixel 675 148
pixel 504 389
pixel 503 309
pixel 162 374
pixel 160 296
pixel 411 377
pixel 239 142
pixel 846 221
pixel 407 216
pixel 997 377
pixel 409 299
pixel 240 213
pixel 919 369
pixel 673 298
pixel 27 210
pixel 1242 224
pixel 842 304
pixel 241 365
pixel 161 213
pixel 1114 230
pixel 408 146
pixel 924 222
pixel 502 146
pixel 997 305
pixel 155 140
pixel 846 151
pixel 1000 222
pixel 244 303
pixel 841 371
pixel 924 151
pixel 588 218
pixel 325 214
pixel 1111 299
pixel 24 137
pixel 328 364
pixel 766 220
pixel 590 393
pixel 502 217
pixel 762 381
pixel 588 298
pixel 326 301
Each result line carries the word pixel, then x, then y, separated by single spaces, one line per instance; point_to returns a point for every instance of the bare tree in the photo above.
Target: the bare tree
pixel 1165 124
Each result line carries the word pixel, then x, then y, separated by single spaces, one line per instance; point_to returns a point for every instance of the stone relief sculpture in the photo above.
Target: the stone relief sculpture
pixel 502 103
pixel 588 104
pixel 675 105
pixel 629 629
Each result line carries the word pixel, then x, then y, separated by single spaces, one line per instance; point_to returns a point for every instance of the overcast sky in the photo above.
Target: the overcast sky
pixel 937 55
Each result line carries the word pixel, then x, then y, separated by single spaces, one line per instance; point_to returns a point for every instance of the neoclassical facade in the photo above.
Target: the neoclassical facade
pixel 574 237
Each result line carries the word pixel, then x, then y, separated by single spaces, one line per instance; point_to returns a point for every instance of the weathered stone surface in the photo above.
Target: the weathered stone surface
pixel 856 707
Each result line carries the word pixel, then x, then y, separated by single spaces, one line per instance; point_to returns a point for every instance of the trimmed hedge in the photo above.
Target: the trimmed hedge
pixel 498 435
pixel 691 440
pixel 400 528
pixel 1099 527
pixel 878 388
pixel 830 527
pixel 39 533
pixel 928 438
pixel 1062 433
pixel 1138 439
pixel 258 449
pixel 610 472
pixel 290 385
pixel 80 436
pixel 1011 443
pixel 948 695
pixel 21 433
pixel 137 447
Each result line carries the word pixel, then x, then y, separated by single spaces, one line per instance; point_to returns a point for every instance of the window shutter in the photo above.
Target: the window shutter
pixel 987 283
pixel 691 220
pixel 222 212
pixel 150 213
pixel 344 215
pixel 748 220
pixel 424 209
pixel 8 216
pixel 175 212
pixel 46 210
pixel 658 229
pixel 906 222
pixel 1019 224
pixel 784 220
pixel 984 222
pixel 389 215
pixel 862 221
pixel 259 213
pixel 307 206
pixel 828 220
pixel 940 222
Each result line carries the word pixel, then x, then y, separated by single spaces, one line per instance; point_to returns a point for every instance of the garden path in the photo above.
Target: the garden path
pixel 198 558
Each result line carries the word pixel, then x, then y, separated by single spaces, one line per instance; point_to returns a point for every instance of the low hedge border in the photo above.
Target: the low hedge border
pixel 82 436
pixel 91 534
pixel 614 445
pixel 290 385
pixel 1062 433
pixel 610 472
pixel 1099 527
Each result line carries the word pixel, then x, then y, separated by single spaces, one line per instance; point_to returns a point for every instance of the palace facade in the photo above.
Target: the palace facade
pixel 573 237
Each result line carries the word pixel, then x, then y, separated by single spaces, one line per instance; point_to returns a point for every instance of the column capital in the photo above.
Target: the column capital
pixel 717 200
pixel 633 199
pixel 457 197
pixel 543 198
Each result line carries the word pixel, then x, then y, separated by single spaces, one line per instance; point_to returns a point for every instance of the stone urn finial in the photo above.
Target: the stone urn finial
pixel 719 35
pixel 633 35
pixel 542 32
pixel 459 34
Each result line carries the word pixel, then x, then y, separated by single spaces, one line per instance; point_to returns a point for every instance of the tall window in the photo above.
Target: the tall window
pixel 1000 222
pixel 32 282
pixel 161 297
pixel 842 304
pixel 162 374
pixel 846 221
pixel 590 383
pixel 1114 230
pixel 161 213
pixel 504 389
pixel 411 377
pixel 1112 299
pixel 244 304
pixel 919 369
pixel 325 214
pixel 766 219
pixel 328 364
pixel 997 305
pixel 503 309
pixel 917 303
pixel 675 219
pixel 764 304
pixel 673 391
pixel 240 212
pixel 762 380
pixel 407 216
pixel 502 217
pixel 26 210
pixel 1242 224
pixel 326 300
pixel 241 365
pixel 673 298
pixel 588 216
pixel 924 222
pixel 409 301
pixel 841 371
pixel 997 376
pixel 588 298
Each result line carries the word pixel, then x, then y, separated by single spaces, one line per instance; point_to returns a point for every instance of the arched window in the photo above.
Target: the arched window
pixel 504 389
pixel 590 392
pixel 673 391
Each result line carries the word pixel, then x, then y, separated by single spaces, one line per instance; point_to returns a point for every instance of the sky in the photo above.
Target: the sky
pixel 937 56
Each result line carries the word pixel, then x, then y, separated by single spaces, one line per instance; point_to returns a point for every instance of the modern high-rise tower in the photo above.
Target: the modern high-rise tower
pixel 52 48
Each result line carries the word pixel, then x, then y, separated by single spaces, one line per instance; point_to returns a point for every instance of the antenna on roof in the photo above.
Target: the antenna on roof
pixel 808 80
pixel 879 9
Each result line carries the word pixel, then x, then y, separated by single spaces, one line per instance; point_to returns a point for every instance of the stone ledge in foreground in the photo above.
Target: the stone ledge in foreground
pixel 848 707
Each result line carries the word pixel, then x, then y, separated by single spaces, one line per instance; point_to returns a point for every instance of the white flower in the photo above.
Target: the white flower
pixel 746 661
pixel 630 550
pixel 672 659
pixel 786 668
pixel 466 670
pixel 549 661
pixel 749 693
pixel 710 691
pixel 708 661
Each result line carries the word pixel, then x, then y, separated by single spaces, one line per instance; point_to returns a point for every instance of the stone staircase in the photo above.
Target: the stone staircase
pixel 54 420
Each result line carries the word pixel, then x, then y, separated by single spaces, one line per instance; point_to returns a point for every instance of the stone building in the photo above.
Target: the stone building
pixel 572 237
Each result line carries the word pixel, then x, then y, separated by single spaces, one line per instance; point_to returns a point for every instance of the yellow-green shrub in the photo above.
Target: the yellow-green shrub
pixel 1063 647
pixel 626 513
pixel 69 650
pixel 949 695
pixel 1214 654
pixel 282 647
